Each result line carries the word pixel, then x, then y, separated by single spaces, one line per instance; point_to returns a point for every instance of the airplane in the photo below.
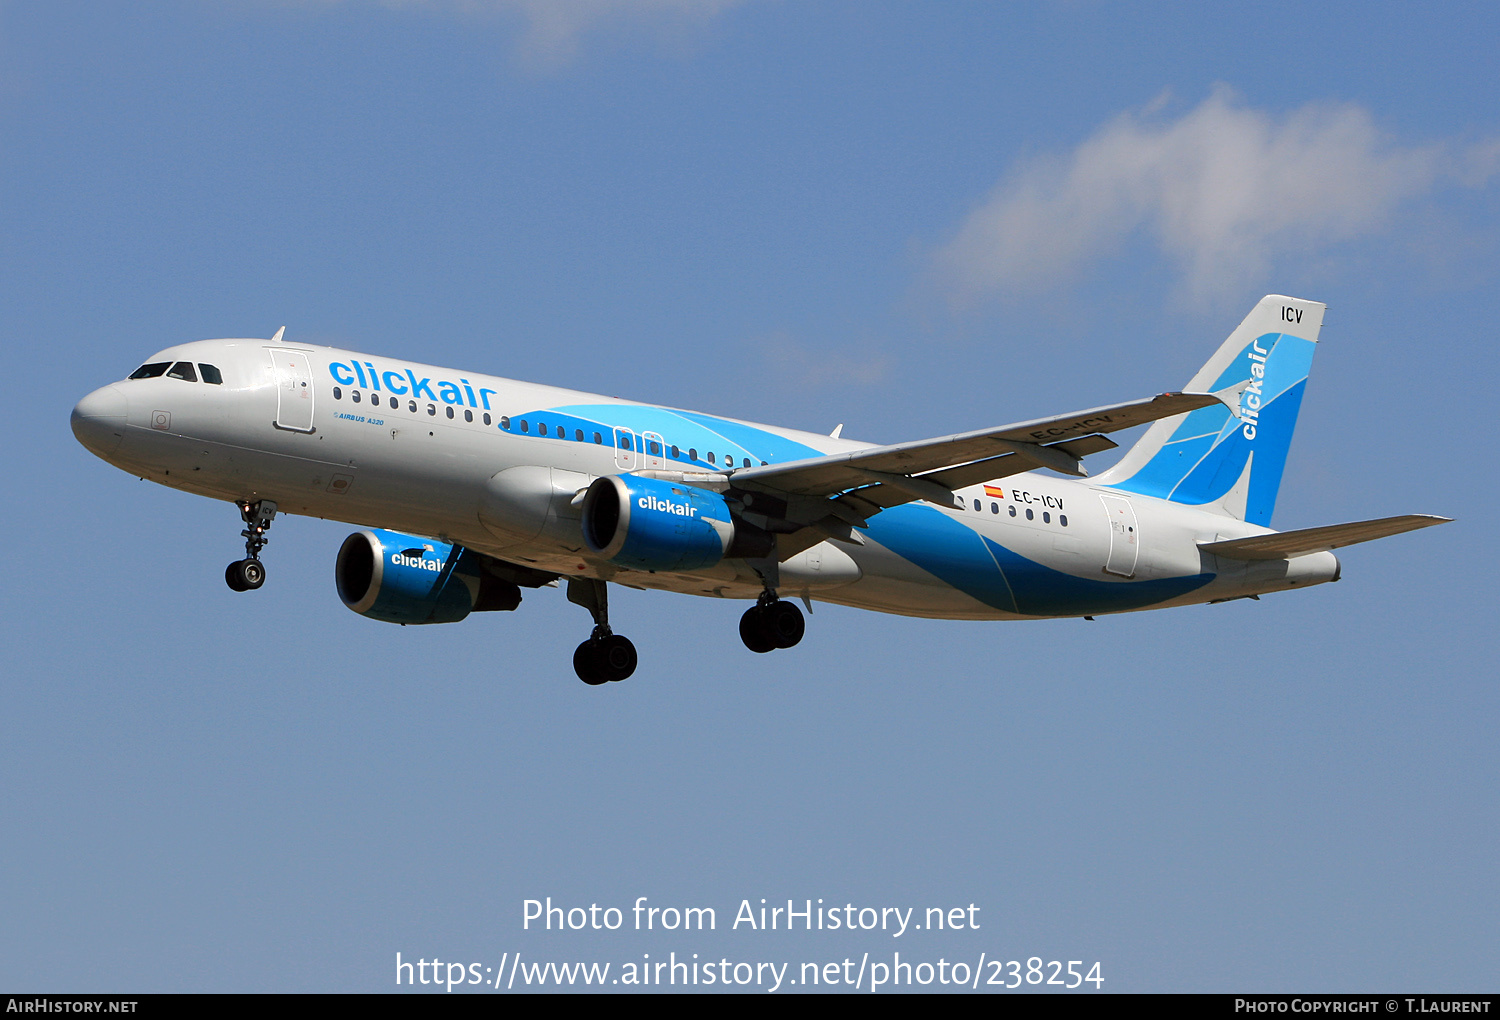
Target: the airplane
pixel 471 487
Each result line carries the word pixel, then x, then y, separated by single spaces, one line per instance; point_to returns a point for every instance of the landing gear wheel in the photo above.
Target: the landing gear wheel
pixel 586 664
pixel 602 660
pixel 616 657
pixel 245 575
pixel 784 623
pixel 770 625
pixel 753 630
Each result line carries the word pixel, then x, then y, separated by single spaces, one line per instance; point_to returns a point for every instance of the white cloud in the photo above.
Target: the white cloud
pixel 1224 190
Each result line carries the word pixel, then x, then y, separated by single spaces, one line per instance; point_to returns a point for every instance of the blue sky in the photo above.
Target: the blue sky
pixel 910 218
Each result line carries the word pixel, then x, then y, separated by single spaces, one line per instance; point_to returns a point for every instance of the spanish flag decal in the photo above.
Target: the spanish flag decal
pixel 994 490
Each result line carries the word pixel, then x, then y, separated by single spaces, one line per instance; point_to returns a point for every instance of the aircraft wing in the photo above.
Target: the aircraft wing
pixel 1057 443
pixel 1287 544
pixel 833 493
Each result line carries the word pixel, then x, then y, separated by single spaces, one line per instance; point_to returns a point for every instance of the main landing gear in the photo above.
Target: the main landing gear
pixel 605 656
pixel 771 623
pixel 250 573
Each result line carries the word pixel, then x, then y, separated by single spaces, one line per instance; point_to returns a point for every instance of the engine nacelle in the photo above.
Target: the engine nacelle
pixel 397 578
pixel 649 524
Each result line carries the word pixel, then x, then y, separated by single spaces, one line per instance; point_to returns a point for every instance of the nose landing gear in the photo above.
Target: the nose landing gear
pixel 250 573
pixel 771 623
pixel 605 656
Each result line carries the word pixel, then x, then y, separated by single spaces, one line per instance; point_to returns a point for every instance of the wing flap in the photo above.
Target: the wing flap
pixel 1013 464
pixel 1287 544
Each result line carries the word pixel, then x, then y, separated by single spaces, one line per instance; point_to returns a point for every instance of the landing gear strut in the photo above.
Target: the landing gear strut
pixel 605 656
pixel 771 623
pixel 250 573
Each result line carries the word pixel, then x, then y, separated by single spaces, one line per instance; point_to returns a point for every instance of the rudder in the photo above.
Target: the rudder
pixel 1231 462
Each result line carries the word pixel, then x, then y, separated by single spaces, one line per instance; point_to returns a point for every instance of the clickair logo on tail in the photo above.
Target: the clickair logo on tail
pixel 1250 400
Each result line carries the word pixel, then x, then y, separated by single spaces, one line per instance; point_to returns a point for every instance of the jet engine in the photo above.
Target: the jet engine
pixel 650 524
pixel 397 578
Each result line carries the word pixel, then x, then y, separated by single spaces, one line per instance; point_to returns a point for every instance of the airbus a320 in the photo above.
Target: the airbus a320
pixel 470 487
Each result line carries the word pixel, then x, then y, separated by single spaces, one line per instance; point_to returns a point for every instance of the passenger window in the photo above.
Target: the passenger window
pixel 994 508
pixel 711 457
pixel 395 404
pixel 432 410
pixel 976 506
pixel 747 461
pixel 598 439
pixel 354 395
pixel 525 425
pixel 449 409
pixel 468 415
pixel 541 428
pixel 1012 511
pixel 692 454
pixel 411 405
pixel 653 448
pixel 210 374
pixel 338 394
pixel 152 370
pixel 486 418
pixel 1062 519
pixel 675 453
pixel 1046 518
pixel 183 370
pixel 505 422
pixel 624 442
pixel 1029 515
pixel 578 435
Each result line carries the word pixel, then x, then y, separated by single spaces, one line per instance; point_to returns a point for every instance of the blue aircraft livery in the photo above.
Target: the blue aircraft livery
pixel 468 489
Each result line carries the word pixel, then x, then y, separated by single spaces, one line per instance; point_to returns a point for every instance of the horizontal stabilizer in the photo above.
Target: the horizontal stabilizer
pixel 1287 544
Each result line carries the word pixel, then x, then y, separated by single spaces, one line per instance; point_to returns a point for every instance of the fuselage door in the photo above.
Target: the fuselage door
pixel 1124 536
pixel 294 390
pixel 625 449
pixel 652 452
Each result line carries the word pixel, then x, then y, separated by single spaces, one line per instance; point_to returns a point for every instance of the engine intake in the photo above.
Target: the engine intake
pixel 649 524
pixel 397 578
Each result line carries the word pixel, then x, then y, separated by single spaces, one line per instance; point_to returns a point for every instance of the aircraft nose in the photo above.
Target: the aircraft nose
pixel 99 420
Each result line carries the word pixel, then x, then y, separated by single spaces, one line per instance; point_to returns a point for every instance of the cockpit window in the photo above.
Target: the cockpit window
pixel 183 370
pixel 210 374
pixel 151 371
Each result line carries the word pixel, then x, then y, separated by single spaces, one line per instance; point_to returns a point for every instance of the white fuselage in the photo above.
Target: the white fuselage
pixel 394 448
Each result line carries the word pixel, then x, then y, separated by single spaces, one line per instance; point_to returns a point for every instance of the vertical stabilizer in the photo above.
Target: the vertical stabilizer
pixel 1230 462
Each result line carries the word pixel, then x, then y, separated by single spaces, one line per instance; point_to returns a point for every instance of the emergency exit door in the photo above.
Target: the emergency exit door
pixel 1124 536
